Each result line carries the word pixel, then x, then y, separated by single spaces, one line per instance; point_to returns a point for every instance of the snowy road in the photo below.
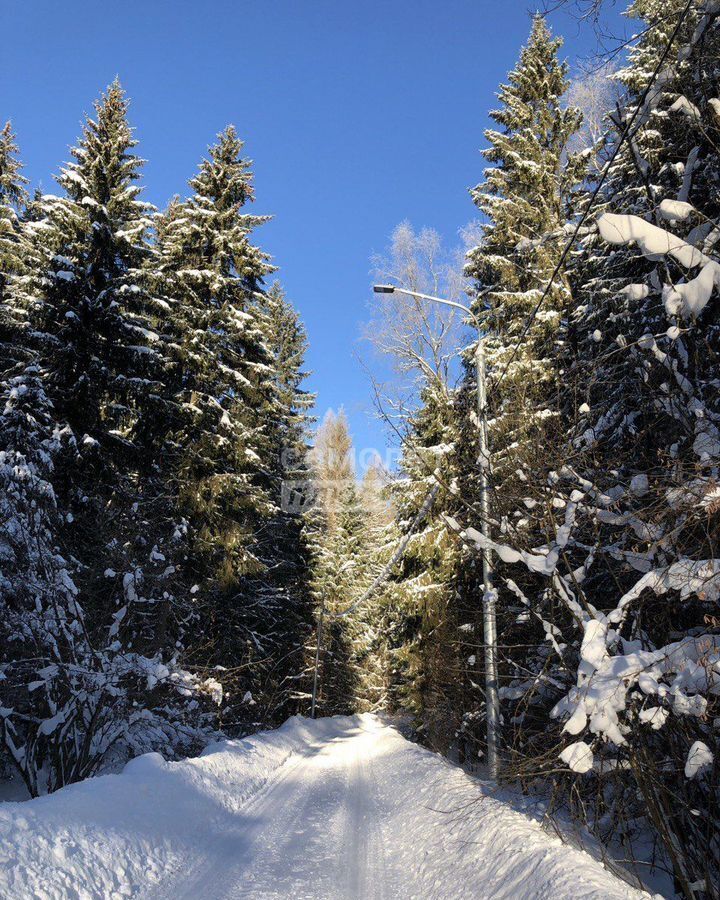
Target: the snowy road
pixel 339 808
pixel 314 831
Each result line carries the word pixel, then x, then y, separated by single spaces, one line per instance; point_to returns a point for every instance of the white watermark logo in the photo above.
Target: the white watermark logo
pixel 303 482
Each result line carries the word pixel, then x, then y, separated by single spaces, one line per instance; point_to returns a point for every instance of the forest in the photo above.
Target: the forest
pixel 183 547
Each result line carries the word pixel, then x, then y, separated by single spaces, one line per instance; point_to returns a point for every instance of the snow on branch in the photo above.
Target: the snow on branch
pixel 688 299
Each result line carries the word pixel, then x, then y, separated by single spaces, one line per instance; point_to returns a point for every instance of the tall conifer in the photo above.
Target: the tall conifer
pixel 211 274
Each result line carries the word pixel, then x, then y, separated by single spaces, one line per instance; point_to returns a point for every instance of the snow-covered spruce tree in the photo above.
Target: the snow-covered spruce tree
pixel 223 446
pixel 13 199
pixel 281 592
pixel 422 616
pixel 630 558
pixel 527 197
pixel 334 533
pixel 287 341
pixel 379 538
pixel 422 340
pixel 91 326
pixel 212 273
pixel 86 297
pixel 14 256
pixel 42 630
pixel 90 330
pixel 290 420
pixel 643 459
pixel 64 702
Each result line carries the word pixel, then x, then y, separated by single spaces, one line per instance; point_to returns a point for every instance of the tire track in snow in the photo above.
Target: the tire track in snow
pixel 309 833
pixel 205 875
pixel 369 877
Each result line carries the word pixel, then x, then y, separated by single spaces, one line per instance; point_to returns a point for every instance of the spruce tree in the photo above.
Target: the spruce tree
pixel 13 199
pixel 612 600
pixel 527 196
pixel 422 612
pixel 281 595
pixel 235 387
pixel 91 329
pixel 86 296
pixel 643 434
pixel 71 688
pixel 212 274
pixel 287 342
pixel 42 628
pixel 669 160
pixel 335 525
pixel 287 426
pixel 370 622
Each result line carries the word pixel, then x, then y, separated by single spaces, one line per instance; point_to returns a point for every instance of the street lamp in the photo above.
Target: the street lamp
pixel 489 625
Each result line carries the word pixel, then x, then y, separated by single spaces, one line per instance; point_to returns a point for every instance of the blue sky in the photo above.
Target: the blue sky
pixel 357 115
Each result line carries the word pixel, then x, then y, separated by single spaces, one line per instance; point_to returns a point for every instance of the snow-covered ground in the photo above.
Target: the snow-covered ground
pixel 338 808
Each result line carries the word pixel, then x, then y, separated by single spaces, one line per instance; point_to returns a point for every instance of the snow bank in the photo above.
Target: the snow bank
pixel 111 836
pixel 466 839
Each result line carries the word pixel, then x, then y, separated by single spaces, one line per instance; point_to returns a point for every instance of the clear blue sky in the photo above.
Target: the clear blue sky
pixel 357 114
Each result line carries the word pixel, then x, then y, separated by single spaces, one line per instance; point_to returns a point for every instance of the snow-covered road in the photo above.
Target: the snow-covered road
pixel 315 830
pixel 339 808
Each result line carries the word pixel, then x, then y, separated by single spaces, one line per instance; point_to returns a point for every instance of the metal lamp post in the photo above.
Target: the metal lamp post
pixel 489 625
